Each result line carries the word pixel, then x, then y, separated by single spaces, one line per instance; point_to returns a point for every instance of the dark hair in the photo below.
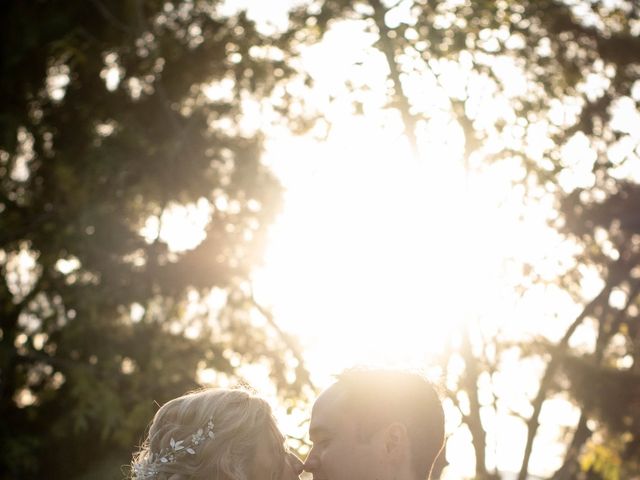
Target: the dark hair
pixel 378 397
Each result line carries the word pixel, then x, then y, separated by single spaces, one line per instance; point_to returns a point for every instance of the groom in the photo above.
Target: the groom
pixel 376 425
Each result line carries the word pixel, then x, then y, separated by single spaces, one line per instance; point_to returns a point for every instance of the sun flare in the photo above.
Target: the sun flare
pixel 378 254
pixel 381 257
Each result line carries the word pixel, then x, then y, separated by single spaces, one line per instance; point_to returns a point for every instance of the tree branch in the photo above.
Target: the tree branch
pixel 281 333
pixel 617 272
pixel 582 433
pixel 400 96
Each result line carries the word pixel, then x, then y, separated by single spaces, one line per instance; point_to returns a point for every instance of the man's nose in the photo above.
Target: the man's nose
pixel 296 464
pixel 310 464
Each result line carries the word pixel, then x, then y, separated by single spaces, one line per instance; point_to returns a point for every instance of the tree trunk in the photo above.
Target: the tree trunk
pixel 547 378
pixel 470 385
pixel 570 466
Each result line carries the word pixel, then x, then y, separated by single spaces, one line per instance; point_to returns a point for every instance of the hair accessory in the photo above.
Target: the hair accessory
pixel 149 468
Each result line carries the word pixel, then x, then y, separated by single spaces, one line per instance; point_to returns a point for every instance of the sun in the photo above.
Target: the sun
pixel 372 258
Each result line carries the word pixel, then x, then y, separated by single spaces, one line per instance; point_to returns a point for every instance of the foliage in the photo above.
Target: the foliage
pixel 602 461
pixel 606 458
pixel 115 114
pixel 538 86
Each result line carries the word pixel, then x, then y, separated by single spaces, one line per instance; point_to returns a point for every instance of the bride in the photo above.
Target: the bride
pixel 215 434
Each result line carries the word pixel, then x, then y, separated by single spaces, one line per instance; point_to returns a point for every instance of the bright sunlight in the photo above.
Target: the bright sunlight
pixel 378 257
pixel 382 258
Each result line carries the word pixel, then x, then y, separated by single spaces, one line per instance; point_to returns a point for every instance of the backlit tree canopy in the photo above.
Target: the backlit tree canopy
pixel 114 116
pixel 550 91
pixel 120 117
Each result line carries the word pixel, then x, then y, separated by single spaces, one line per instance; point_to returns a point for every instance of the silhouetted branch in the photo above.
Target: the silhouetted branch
pixel 281 333
pixel 400 96
pixel 582 432
pixel 617 272
pixel 110 17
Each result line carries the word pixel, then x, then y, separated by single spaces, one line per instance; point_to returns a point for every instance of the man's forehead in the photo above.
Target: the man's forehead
pixel 327 410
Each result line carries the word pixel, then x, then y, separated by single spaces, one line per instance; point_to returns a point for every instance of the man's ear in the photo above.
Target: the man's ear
pixel 396 441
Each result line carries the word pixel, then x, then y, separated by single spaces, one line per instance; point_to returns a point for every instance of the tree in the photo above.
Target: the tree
pixel 556 73
pixel 604 381
pixel 114 116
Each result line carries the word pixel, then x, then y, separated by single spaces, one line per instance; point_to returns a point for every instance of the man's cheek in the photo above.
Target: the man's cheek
pixel 329 459
pixel 338 459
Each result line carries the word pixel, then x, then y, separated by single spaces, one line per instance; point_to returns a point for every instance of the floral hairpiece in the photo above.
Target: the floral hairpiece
pixel 149 468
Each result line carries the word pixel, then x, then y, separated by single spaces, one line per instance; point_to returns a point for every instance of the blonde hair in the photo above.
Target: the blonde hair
pixel 240 419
